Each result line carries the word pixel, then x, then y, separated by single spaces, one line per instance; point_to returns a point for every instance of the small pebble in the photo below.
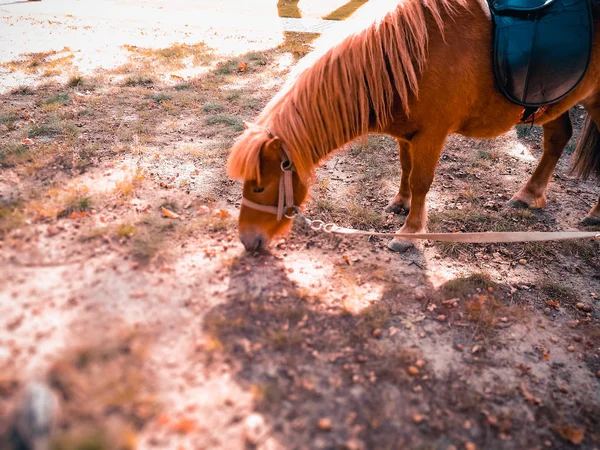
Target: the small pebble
pixel 579 305
pixel 325 424
pixel 376 332
pixel 522 262
pixel 587 308
pixel 563 388
pixel 412 370
pixel 577 338
pixel 470 446
pixel 542 325
pixel 441 317
pixel 418 418
pixel 459 347
pixel 554 339
pixel 571 348
pixel 598 374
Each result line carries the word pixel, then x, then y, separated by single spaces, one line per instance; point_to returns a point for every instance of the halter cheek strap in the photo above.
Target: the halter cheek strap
pixel 286 189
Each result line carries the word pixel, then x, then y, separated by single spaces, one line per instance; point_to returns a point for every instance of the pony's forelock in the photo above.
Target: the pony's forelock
pixel 244 158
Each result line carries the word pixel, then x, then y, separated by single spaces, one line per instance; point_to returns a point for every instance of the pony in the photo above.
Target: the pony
pixel 419 73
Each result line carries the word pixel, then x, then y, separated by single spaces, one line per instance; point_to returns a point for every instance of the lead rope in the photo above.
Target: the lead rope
pixel 474 238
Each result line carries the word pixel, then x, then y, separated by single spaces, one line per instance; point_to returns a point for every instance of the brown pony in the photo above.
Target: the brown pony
pixel 420 73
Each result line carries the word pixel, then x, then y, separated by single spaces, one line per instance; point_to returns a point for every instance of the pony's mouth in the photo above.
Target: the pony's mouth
pixel 254 241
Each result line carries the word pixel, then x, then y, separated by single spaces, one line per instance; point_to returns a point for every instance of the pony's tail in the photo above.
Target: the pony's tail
pixel 587 151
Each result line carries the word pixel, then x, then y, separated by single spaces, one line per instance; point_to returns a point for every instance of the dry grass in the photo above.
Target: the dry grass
pixel 104 412
pixel 125 188
pixel 177 56
pixel 11 216
pixel 49 63
pixel 464 287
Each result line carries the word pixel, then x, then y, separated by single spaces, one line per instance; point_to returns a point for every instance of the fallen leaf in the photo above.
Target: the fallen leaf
pixel 575 435
pixel 553 303
pixel 184 426
pixel 242 67
pixel 169 214
pixel 532 399
pixel 78 215
pixel 176 77
pixel 221 213
pixel 28 142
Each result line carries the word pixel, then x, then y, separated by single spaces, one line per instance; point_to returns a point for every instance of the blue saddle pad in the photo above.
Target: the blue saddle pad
pixel 542 48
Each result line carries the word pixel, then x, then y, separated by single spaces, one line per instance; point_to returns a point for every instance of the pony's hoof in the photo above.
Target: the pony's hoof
pixel 590 221
pixel 518 204
pixel 397 208
pixel 398 246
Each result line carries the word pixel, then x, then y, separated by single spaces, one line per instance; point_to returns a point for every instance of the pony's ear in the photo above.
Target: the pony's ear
pixel 272 149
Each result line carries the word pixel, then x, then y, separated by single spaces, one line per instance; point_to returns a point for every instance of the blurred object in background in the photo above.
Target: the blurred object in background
pixel 35 418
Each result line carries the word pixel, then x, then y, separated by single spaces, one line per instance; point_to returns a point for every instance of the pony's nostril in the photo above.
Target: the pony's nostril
pixel 253 242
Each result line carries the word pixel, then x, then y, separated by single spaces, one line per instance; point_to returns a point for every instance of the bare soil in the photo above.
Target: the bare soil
pixel 124 286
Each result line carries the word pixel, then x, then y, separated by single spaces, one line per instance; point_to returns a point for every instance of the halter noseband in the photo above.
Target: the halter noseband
pixel 286 188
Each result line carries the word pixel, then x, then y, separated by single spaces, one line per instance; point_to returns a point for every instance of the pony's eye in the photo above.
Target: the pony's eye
pixel 259 190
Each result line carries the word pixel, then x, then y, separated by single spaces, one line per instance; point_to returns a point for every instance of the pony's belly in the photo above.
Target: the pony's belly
pixel 490 126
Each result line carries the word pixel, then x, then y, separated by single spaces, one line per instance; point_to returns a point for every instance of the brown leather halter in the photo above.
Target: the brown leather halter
pixel 286 189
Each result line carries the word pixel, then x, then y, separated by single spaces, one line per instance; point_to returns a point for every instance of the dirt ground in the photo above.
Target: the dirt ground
pixel 125 289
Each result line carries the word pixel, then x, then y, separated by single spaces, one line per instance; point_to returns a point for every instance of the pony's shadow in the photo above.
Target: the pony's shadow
pixel 324 376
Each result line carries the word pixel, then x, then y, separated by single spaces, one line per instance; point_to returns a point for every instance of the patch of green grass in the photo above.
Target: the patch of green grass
pixel 283 339
pixel 463 287
pixel 484 154
pixel 227 67
pixel 59 99
pixel 44 129
pixel 233 94
pixel 75 81
pixel 225 119
pixel 22 90
pixel 362 217
pixel 375 316
pixel 160 97
pixel 125 230
pixel 212 107
pixel 523 131
pixel 10 217
pixel 77 201
pixel 12 152
pixel 146 245
pixel 258 58
pixel 562 293
pixel 138 80
pixel 183 87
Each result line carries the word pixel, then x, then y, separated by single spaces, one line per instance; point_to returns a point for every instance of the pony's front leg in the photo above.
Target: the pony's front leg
pixel 401 202
pixel 425 150
pixel 556 136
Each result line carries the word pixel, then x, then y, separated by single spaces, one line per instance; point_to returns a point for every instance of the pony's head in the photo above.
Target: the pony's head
pixel 272 186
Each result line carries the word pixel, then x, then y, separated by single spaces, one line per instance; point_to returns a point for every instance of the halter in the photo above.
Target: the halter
pixel 286 189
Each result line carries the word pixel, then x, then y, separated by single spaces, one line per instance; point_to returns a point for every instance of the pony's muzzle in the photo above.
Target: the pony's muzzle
pixel 253 240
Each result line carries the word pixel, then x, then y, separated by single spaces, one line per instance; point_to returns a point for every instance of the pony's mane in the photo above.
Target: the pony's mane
pixel 333 100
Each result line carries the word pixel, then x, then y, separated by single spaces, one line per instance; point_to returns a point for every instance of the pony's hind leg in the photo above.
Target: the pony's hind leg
pixel 556 136
pixel 401 202
pixel 587 153
pixel 425 150
pixel 593 217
